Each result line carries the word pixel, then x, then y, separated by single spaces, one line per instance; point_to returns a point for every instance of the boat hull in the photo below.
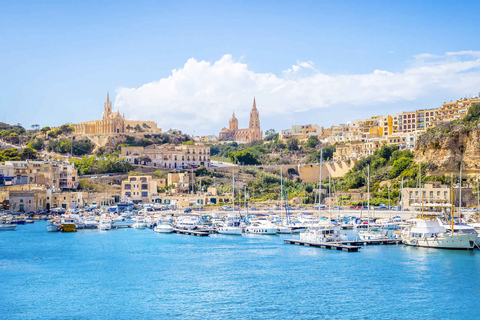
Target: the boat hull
pixel 163 229
pixel 457 242
pixel 230 231
pixel 8 227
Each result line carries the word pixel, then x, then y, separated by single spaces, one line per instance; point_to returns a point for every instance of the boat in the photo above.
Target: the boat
pixel 261 226
pixel 322 235
pixel 90 222
pixel 7 226
pixel 163 228
pixel 429 233
pixel 139 223
pixel 372 234
pixel 54 225
pixel 231 228
pixel 68 225
pixel 105 224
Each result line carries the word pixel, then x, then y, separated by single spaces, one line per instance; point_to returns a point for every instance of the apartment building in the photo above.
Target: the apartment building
pixel 453 110
pixel 53 175
pixel 169 156
pixel 433 195
pixel 301 132
pixel 7 176
pixel 139 188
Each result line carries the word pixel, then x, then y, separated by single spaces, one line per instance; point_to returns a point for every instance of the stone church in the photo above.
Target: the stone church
pixel 113 122
pixel 243 135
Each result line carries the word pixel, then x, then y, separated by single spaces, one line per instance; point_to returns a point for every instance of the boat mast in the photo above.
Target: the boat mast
pixel 281 195
pixel 460 194
pixel 329 198
pixel 368 196
pixel 233 188
pixel 389 209
pixel 401 198
pixel 320 184
pixel 451 202
pixel 420 182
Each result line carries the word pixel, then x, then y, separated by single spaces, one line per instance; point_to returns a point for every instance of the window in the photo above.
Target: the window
pixel 128 194
pixel 144 186
pixel 133 179
pixel 411 194
pixel 128 187
pixel 144 194
pixel 21 200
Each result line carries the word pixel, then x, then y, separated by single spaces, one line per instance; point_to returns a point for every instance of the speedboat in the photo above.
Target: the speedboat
pixel 68 225
pixel 90 222
pixel 139 223
pixel 105 224
pixel 258 226
pixel 431 234
pixel 163 228
pixel 7 226
pixel 53 225
pixel 322 235
pixel 372 234
pixel 231 228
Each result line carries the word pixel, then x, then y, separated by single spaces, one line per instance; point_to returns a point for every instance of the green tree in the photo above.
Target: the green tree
pixel 28 154
pixel 244 157
pixel 399 166
pixel 45 130
pixel 292 144
pixel 312 142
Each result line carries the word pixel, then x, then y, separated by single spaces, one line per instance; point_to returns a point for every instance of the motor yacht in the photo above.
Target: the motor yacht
pixel 259 226
pixel 105 224
pixel 7 226
pixel 372 234
pixel 163 228
pixel 139 223
pixel 431 234
pixel 323 234
pixel 53 225
pixel 231 228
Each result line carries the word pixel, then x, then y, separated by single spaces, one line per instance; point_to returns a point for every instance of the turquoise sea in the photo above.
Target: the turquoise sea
pixel 138 274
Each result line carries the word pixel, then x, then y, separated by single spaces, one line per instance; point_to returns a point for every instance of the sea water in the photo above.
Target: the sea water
pixel 139 274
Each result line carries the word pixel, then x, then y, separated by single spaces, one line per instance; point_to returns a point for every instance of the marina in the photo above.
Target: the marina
pixel 157 274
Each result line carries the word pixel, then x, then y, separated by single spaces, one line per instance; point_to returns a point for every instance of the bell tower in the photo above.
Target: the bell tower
pixel 107 107
pixel 233 123
pixel 254 117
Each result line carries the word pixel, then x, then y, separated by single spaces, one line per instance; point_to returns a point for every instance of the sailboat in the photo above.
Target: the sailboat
pixel 429 233
pixel 371 233
pixel 322 233
pixel 231 227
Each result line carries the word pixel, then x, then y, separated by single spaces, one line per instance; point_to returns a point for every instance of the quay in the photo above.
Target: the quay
pixel 192 233
pixel 326 245
pixel 371 242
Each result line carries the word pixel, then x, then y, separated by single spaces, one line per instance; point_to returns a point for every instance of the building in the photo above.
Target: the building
pixel 169 156
pixel 453 110
pixel 433 195
pixel 7 176
pixel 26 201
pixel 243 135
pixel 301 132
pixel 53 175
pixel 179 180
pixel 113 123
pixel 139 188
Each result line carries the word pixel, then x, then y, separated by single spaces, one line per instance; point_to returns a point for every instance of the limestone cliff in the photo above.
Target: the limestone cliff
pixel 450 144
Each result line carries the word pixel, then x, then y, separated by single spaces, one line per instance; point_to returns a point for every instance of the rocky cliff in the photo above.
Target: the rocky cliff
pixel 450 144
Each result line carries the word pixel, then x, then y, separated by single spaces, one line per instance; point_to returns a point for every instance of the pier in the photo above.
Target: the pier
pixel 325 245
pixel 192 233
pixel 371 242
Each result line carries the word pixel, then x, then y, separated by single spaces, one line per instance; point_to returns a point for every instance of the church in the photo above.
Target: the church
pixel 113 122
pixel 243 135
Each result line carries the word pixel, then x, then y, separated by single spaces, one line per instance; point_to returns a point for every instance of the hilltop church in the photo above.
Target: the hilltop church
pixel 243 135
pixel 113 122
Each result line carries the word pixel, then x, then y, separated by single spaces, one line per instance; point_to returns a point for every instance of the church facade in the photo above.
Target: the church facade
pixel 243 135
pixel 113 122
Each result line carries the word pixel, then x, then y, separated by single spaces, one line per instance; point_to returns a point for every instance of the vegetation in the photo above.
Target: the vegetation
pixel 76 147
pixel 94 165
pixel 14 155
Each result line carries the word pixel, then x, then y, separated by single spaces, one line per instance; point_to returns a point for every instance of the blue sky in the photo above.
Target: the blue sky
pixel 59 58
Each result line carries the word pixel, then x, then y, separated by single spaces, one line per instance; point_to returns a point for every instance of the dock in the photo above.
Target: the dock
pixel 192 232
pixel 326 245
pixel 371 242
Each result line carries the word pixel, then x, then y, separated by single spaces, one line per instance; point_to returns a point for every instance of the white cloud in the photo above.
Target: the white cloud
pixel 201 95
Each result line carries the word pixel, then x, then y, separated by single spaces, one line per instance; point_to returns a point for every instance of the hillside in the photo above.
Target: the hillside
pixel 452 143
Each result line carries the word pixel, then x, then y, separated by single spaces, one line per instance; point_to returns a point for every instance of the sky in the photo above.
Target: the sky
pixel 189 64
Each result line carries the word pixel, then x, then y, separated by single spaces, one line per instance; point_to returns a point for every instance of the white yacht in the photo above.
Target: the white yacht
pixel 7 226
pixel 230 228
pixel 53 225
pixel 105 224
pixel 90 222
pixel 163 228
pixel 139 223
pixel 430 234
pixel 258 226
pixel 322 235
pixel 187 222
pixel 372 234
